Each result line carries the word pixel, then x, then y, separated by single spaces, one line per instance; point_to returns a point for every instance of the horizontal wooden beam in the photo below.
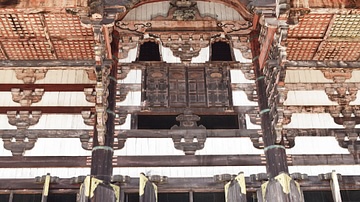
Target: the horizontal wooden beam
pixel 83 64
pixel 49 109
pixel 140 133
pixel 48 87
pixel 297 86
pixel 321 64
pixel 173 161
pixel 134 109
pixel 173 184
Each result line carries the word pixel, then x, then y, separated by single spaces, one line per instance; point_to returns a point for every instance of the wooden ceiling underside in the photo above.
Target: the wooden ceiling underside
pixel 325 37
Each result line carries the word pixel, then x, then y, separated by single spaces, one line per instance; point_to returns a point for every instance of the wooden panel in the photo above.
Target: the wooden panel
pixel 177 87
pixel 157 87
pixel 301 49
pixel 47 4
pixel 74 49
pixel 196 87
pixel 341 50
pixel 148 11
pixel 65 25
pixel 217 84
pixel 306 76
pixel 218 11
pixel 311 26
pixel 20 25
pixel 32 49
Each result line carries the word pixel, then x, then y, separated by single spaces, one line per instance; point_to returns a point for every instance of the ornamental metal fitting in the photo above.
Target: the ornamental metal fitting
pixel 188 137
pixel 26 97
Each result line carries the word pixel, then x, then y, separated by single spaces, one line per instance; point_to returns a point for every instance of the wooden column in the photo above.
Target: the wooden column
pixel 275 154
pixel 102 152
pixel 280 187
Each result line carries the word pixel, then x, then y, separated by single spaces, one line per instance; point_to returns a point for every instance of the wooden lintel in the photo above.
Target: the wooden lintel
pixel 133 109
pixel 196 184
pixel 297 86
pixel 163 26
pixel 265 48
pixel 223 133
pixel 51 64
pixel 48 87
pixel 49 109
pixel 173 161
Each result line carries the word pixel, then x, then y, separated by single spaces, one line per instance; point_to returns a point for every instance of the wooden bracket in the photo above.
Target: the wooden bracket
pixel 188 137
pixel 27 96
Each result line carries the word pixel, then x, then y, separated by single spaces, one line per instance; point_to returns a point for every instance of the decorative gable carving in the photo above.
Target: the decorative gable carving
pixel 185 46
pixel 183 10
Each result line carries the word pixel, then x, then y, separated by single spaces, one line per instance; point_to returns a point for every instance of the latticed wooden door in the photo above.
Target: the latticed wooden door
pixel 194 86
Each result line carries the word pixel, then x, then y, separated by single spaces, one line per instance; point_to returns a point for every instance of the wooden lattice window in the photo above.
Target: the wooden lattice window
pixel 187 87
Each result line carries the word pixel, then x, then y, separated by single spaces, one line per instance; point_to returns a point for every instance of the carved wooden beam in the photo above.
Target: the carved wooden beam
pixel 158 26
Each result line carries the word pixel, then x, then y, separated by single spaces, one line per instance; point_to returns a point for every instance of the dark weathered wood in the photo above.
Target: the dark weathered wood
pixel 135 109
pixel 102 154
pixel 172 161
pixel 49 110
pixel 48 87
pixel 314 64
pixel 51 64
pixel 275 156
pixel 223 133
pixel 197 184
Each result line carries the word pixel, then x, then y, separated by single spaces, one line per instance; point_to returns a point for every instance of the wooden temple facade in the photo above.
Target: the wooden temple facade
pixel 181 100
